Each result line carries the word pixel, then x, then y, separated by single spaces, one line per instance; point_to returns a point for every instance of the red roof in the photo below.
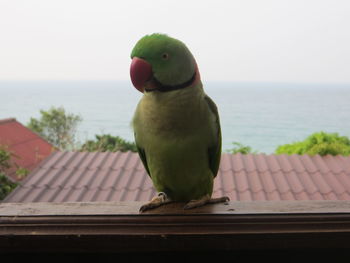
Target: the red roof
pixel 83 176
pixel 28 148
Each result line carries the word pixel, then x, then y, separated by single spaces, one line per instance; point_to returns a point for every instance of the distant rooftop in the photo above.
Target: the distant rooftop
pixel 106 176
pixel 28 148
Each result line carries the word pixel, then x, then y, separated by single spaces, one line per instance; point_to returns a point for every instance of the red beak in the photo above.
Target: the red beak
pixel 140 73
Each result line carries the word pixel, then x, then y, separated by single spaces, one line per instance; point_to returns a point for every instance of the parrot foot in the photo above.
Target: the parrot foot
pixel 206 200
pixel 156 201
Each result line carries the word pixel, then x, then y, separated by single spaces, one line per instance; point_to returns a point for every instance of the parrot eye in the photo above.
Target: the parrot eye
pixel 165 56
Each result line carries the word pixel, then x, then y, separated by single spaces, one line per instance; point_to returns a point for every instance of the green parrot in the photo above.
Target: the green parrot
pixel 176 125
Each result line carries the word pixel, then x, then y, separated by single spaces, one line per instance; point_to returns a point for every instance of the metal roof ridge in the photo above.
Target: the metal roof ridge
pixel 131 176
pixel 143 190
pixel 38 168
pixel 129 189
pixel 51 157
pixel 112 187
pixel 118 178
pixel 103 181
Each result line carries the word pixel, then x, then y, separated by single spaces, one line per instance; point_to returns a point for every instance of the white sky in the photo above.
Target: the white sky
pixel 247 40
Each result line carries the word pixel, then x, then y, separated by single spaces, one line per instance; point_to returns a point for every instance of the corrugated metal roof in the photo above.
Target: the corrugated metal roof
pixel 30 148
pixel 83 176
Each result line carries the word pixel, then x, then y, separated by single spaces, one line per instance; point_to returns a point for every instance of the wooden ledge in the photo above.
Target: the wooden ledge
pixel 118 226
pixel 132 208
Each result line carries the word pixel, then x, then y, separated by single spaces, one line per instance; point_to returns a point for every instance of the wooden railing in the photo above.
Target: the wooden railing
pixel 118 227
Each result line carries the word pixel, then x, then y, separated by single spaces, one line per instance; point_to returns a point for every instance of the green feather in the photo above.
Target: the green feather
pixel 143 158
pixel 215 151
pixel 177 133
pixel 172 62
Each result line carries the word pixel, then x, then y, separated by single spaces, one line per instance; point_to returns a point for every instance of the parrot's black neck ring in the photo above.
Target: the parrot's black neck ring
pixel 166 88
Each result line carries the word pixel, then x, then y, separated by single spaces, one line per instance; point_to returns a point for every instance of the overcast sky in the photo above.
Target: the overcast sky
pixel 247 40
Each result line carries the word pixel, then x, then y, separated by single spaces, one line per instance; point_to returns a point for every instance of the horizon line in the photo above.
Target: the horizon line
pixel 207 81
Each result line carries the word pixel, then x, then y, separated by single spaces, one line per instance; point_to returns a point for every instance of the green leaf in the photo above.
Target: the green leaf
pixel 321 143
pixel 240 148
pixel 56 126
pixel 108 143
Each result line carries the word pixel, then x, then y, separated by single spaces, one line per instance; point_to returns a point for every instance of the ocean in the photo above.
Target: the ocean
pixel 261 115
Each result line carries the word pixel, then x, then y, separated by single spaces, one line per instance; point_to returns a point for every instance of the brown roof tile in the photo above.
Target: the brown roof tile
pixel 294 182
pixel 283 162
pixel 226 163
pixel 227 181
pixel 344 163
pixel 308 163
pixel 344 179
pixel 83 176
pixel 272 163
pixel 249 164
pixel 259 196
pixel 261 164
pixel 275 195
pixel 320 183
pixel 254 181
pixel 320 164
pixel 267 182
pixel 301 196
pixel 281 181
pixel 307 183
pixel 296 163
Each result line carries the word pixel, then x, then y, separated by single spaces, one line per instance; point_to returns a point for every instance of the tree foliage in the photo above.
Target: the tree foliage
pixel 240 148
pixel 56 126
pixel 321 143
pixel 108 143
pixel 6 185
pixel 5 157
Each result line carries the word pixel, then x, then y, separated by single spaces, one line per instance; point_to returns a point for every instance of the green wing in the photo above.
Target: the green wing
pixel 142 155
pixel 215 150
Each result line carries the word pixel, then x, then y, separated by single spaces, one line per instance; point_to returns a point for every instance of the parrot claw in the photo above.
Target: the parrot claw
pixel 156 201
pixel 223 199
pixel 206 200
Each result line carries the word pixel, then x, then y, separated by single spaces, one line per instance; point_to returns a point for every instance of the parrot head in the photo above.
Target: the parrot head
pixel 162 63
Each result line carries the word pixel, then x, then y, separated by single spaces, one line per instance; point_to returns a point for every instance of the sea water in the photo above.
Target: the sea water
pixel 261 115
